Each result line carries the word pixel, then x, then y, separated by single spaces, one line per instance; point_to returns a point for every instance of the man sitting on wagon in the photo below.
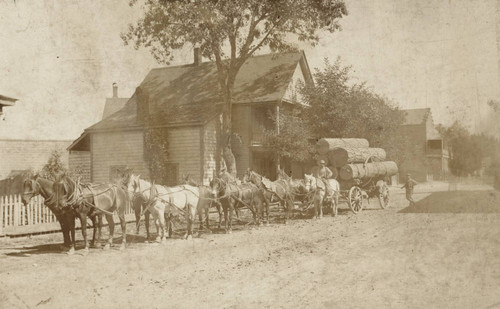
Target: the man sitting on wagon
pixel 324 173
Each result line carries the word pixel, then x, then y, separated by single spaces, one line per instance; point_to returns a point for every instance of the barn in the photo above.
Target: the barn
pixel 184 100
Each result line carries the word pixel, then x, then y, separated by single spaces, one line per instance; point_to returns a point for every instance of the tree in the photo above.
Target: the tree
pixel 228 33
pixel 337 107
pixel 54 166
pixel 292 139
pixel 467 150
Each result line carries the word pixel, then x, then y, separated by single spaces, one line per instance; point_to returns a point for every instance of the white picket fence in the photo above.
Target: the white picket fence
pixel 14 215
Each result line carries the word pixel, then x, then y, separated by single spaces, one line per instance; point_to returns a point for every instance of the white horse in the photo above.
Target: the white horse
pixel 166 200
pixel 323 194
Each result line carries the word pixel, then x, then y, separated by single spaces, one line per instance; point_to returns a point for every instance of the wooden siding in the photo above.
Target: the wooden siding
pixel 79 162
pixel 209 151
pixel 242 125
pixel 185 149
pixel 117 148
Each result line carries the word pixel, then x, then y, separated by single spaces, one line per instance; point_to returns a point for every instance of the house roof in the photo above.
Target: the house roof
pixel 7 101
pixel 416 116
pixel 189 94
pixel 113 105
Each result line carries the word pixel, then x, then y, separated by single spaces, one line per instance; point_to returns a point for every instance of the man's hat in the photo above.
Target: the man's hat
pixel 322 162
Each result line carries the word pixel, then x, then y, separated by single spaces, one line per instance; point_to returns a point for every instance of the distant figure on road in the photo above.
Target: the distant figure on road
pixel 409 184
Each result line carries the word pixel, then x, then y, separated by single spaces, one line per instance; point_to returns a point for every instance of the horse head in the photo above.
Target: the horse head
pixel 309 181
pixel 253 177
pixel 283 175
pixel 133 185
pixel 217 186
pixel 31 188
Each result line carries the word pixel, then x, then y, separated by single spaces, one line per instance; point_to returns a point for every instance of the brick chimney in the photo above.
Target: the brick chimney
pixel 197 56
pixel 115 90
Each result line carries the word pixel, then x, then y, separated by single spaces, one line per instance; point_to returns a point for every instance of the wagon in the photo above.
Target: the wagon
pixel 354 190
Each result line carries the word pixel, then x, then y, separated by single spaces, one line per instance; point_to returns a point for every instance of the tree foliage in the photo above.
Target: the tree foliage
pixel 468 150
pixel 54 166
pixel 338 107
pixel 228 33
pixel 156 153
pixel 291 141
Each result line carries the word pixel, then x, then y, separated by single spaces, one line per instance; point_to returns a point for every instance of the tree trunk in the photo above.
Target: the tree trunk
pixel 227 152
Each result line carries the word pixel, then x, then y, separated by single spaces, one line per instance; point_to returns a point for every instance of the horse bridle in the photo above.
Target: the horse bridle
pixel 33 184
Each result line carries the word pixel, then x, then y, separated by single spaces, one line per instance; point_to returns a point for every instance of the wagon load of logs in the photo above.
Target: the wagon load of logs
pixel 352 158
pixel 368 170
pixel 341 156
pixel 324 145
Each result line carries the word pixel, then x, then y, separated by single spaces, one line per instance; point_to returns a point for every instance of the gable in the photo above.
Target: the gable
pixel 292 93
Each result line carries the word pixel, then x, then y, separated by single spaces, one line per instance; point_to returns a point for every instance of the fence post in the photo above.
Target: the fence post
pixel 29 211
pixel 2 203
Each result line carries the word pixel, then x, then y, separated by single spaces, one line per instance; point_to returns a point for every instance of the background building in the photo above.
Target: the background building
pixel 428 157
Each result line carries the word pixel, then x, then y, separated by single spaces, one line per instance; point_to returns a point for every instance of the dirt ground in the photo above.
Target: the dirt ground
pixel 442 253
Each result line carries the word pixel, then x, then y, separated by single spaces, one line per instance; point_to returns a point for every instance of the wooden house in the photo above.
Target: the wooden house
pixel 185 101
pixel 429 157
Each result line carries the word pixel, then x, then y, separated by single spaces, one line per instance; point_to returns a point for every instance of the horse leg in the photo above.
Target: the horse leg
pixel 137 212
pixel 231 210
pixel 162 233
pixel 200 218
pixel 146 222
pixel 123 225
pixel 71 221
pixel 111 225
pixel 226 218
pixel 191 214
pixel 207 210
pixel 83 221
pixel 64 230
pixel 169 219
pixel 219 210
pixel 99 230
pixel 321 201
pixel 94 225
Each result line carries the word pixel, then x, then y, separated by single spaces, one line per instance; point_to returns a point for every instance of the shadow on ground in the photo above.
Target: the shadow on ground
pixel 457 202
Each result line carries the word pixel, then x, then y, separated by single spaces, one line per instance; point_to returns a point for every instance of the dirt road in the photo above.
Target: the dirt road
pixel 445 254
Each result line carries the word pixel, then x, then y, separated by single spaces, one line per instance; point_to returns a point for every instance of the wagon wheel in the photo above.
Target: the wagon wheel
pixel 355 199
pixel 383 196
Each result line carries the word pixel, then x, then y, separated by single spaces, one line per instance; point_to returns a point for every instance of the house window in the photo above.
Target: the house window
pixel 116 172
pixel 434 144
pixel 172 176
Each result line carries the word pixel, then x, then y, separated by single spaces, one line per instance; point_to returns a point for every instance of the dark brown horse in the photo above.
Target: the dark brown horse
pixel 97 199
pixel 34 186
pixel 233 196
pixel 62 188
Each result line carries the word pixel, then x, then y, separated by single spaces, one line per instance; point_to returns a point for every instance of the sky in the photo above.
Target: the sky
pixel 60 58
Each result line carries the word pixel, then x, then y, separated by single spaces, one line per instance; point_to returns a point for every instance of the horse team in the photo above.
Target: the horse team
pixel 69 200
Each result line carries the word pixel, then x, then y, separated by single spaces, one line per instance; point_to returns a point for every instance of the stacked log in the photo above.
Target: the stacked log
pixel 325 145
pixel 368 170
pixel 341 156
